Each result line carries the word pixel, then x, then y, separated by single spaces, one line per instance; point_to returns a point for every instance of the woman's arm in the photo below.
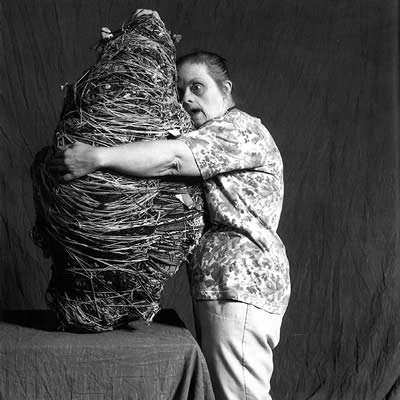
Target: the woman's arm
pixel 142 159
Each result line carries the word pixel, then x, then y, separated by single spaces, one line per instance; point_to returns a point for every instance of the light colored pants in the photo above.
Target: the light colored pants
pixel 237 341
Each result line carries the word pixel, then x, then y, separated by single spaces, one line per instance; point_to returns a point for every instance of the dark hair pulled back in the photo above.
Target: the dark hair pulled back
pixel 215 63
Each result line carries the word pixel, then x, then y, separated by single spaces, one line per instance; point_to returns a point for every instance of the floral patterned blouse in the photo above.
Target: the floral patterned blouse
pixel 240 257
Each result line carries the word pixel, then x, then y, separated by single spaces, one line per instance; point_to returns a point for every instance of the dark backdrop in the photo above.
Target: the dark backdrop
pixel 323 77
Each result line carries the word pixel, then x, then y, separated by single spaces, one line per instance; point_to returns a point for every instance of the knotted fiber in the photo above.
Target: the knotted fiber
pixel 114 240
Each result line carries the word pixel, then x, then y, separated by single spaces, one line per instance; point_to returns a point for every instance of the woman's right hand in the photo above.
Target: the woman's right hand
pixel 74 161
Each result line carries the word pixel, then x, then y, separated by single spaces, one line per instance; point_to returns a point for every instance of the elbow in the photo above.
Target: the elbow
pixel 179 166
pixel 174 168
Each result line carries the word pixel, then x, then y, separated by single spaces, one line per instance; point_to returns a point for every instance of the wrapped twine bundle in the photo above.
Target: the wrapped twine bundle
pixel 114 240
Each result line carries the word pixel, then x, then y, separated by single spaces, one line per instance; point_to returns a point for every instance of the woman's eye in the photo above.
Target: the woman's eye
pixel 197 88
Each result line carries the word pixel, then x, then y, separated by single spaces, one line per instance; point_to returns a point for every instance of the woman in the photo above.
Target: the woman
pixel 240 273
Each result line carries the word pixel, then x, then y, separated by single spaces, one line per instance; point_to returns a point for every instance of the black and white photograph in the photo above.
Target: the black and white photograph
pixel 199 200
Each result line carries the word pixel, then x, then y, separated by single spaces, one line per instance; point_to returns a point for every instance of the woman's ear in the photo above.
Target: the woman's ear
pixel 227 89
pixel 227 86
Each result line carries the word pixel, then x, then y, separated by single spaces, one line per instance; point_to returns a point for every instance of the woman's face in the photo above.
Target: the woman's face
pixel 200 95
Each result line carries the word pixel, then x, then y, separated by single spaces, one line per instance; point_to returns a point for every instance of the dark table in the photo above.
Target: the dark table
pixel 160 361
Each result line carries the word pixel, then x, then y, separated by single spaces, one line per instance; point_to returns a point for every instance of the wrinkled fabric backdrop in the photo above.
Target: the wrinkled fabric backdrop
pixel 323 77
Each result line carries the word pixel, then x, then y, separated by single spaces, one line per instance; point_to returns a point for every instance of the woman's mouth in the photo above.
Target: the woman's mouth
pixel 198 117
pixel 194 111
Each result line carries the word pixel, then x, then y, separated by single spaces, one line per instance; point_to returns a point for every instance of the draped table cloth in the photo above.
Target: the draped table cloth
pixel 159 361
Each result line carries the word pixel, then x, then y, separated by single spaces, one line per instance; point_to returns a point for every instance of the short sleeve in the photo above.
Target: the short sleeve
pixel 232 142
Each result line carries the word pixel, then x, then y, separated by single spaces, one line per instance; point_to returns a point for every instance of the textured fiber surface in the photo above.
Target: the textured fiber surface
pixel 113 239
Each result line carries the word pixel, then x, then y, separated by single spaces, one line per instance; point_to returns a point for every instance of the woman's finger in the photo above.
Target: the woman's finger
pixel 56 161
pixel 58 156
pixel 66 178
pixel 57 169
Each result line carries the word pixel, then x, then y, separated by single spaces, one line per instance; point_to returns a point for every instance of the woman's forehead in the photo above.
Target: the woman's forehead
pixel 190 71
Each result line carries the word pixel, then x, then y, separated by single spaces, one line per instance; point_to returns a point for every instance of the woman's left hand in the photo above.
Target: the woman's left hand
pixel 74 161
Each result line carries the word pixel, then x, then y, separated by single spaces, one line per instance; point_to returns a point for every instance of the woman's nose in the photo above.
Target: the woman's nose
pixel 187 97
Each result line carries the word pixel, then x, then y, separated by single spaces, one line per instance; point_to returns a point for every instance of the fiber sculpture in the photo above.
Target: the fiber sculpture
pixel 115 240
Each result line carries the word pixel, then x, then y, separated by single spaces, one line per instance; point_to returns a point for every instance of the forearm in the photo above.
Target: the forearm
pixel 142 159
pixel 148 159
